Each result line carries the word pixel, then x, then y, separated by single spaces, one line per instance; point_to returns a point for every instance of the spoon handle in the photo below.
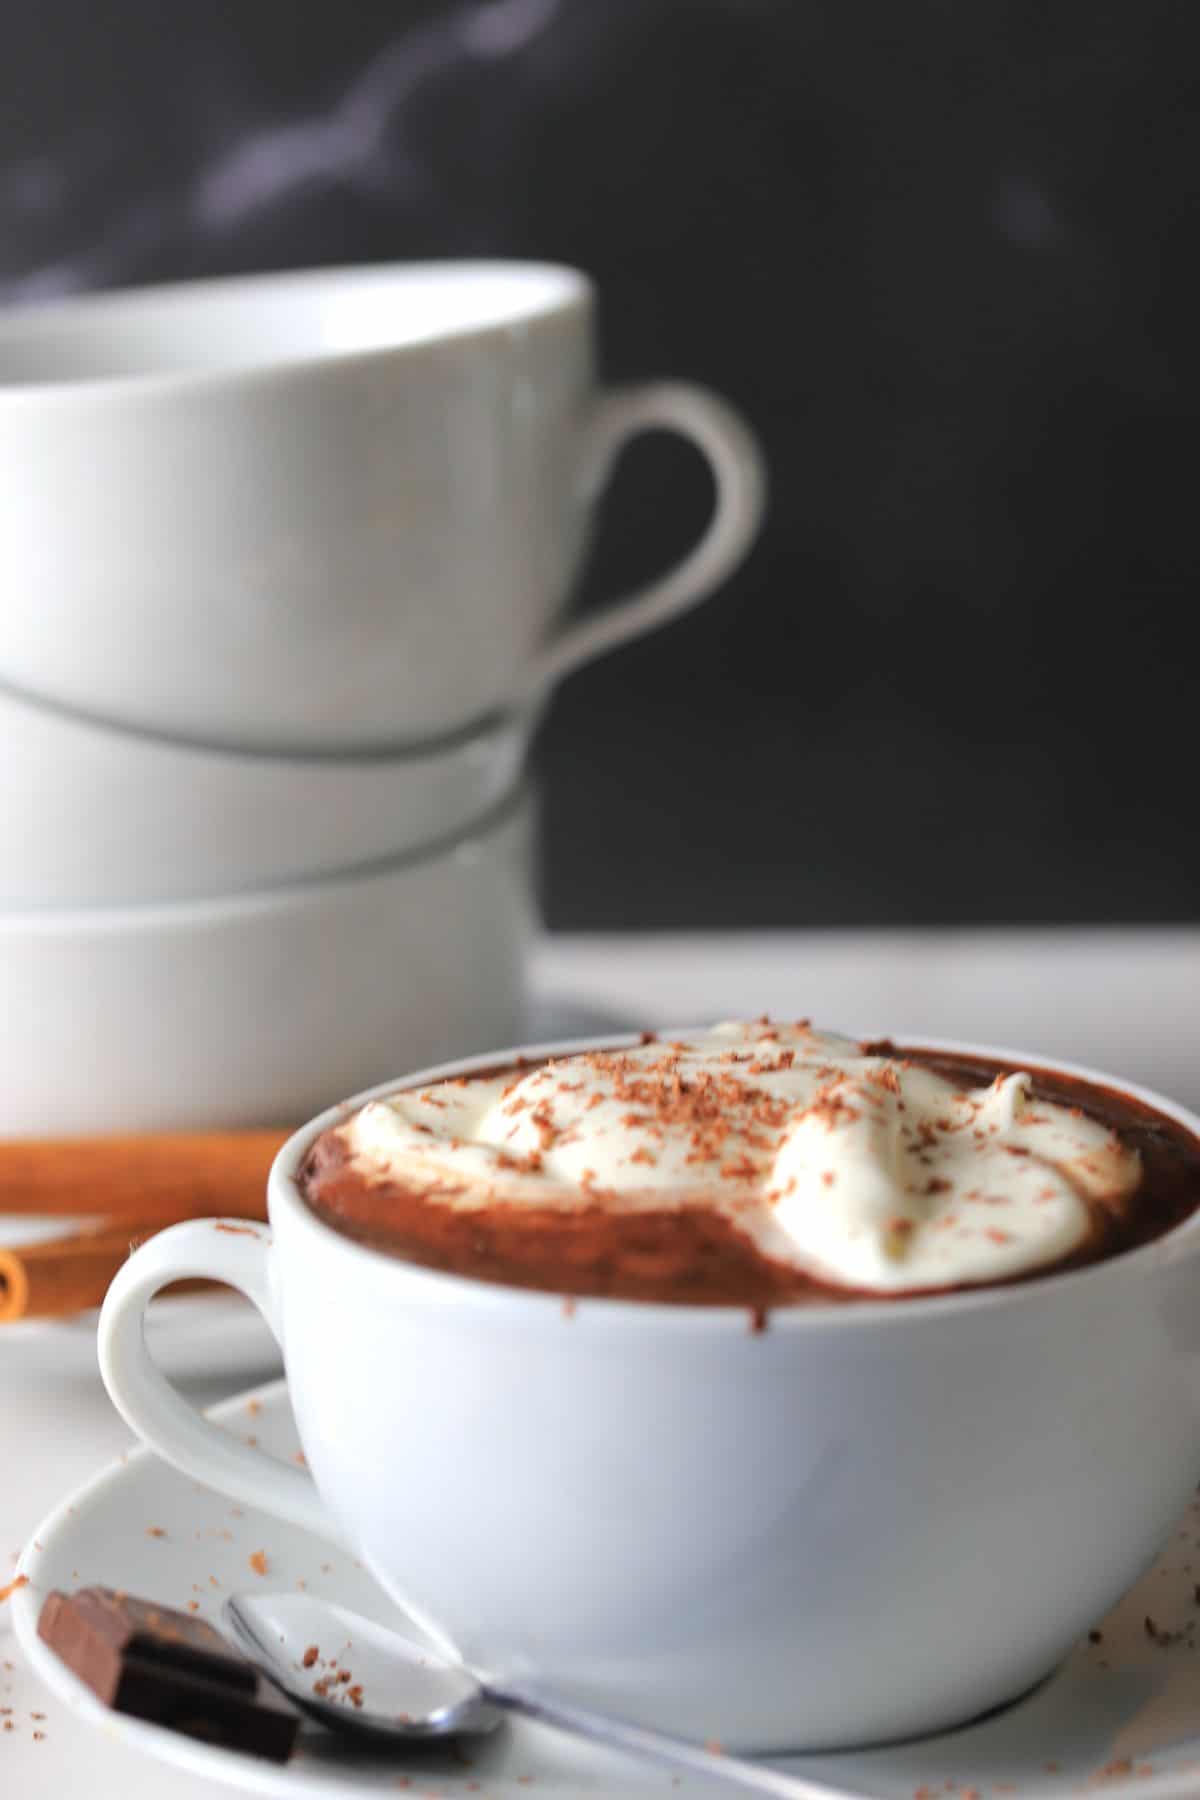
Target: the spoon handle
pixel 658 1746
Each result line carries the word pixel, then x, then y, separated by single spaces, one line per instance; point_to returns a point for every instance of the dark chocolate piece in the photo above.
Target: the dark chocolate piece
pixel 169 1668
pixel 96 1629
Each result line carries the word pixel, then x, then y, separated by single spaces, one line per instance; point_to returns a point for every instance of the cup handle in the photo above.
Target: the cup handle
pixel 227 1250
pixel 739 473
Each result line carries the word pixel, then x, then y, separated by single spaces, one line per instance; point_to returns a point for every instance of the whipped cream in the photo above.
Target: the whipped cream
pixel 860 1170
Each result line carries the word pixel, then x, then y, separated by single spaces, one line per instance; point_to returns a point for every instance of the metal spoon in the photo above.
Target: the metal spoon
pixel 403 1689
pixel 409 1691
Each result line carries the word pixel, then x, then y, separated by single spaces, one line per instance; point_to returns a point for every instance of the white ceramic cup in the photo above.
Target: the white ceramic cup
pixel 861 1523
pixel 92 817
pixel 328 510
pixel 258 1008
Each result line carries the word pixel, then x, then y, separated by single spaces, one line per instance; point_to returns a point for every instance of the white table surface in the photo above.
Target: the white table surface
pixel 1124 1000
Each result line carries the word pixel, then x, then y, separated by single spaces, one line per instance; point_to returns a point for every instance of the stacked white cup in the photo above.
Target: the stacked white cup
pixel 285 561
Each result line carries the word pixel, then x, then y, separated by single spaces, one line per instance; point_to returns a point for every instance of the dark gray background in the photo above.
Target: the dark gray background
pixel 945 258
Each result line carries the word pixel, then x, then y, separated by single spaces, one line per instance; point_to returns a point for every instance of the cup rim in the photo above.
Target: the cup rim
pixel 566 289
pixel 499 725
pixel 442 1288
pixel 512 812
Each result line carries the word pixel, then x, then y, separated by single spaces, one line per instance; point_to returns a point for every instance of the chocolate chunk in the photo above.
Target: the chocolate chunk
pixel 100 1627
pixel 169 1668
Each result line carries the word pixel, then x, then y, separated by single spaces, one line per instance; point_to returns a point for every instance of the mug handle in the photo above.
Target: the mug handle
pixel 739 473
pixel 230 1251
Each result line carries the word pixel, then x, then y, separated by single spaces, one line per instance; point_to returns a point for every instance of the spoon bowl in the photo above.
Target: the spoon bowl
pixel 354 1676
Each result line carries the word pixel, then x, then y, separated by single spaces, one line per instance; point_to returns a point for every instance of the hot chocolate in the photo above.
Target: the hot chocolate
pixel 756 1165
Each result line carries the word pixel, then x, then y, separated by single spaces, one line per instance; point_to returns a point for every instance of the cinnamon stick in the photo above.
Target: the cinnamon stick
pixel 165 1177
pixel 67 1274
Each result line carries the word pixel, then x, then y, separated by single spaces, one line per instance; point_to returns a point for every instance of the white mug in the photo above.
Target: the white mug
pixel 331 510
pixel 255 1009
pixel 102 818
pixel 862 1523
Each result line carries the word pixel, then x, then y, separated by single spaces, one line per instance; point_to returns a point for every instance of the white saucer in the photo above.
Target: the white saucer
pixel 1121 1713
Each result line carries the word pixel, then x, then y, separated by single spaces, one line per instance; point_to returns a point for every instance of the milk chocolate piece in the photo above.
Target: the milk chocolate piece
pixel 168 1668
